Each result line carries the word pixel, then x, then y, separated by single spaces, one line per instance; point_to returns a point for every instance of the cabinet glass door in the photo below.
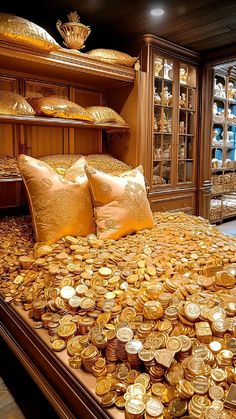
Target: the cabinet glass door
pixel 187 122
pixel 162 124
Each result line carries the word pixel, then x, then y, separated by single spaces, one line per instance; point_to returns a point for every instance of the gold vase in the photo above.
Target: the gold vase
pixel 74 33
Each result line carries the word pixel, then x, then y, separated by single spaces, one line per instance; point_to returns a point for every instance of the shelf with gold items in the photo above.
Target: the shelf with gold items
pixel 72 75
pixel 223 176
pixel 62 122
pixel 65 64
pixel 170 157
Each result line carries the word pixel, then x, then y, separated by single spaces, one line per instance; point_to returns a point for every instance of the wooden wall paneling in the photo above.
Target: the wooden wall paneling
pixel 41 141
pixel 40 88
pixel 10 194
pixel 204 149
pixel 85 97
pixel 87 141
pixel 184 201
pixel 9 83
pixel 129 102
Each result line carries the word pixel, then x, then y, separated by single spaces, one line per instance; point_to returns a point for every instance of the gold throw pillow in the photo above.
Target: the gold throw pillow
pixel 14 104
pixel 58 207
pixel 21 31
pixel 104 114
pixel 59 108
pixel 112 56
pixel 121 204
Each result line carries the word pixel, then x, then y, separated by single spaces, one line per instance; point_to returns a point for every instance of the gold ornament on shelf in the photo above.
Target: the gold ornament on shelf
pixel 73 32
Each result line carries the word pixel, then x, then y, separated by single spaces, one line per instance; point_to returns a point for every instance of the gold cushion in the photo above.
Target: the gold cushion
pixel 14 104
pixel 22 31
pixel 104 114
pixel 121 204
pixel 103 162
pixel 112 56
pixel 58 107
pixel 58 207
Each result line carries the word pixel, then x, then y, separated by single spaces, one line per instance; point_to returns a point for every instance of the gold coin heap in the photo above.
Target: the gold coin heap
pixel 152 315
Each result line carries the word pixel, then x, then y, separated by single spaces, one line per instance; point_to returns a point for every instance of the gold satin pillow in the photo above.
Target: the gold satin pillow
pixel 58 207
pixel 112 56
pixel 22 31
pixel 104 114
pixel 14 104
pixel 59 108
pixel 121 204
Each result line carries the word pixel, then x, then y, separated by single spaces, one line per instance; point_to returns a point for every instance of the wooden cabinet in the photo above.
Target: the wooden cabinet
pixel 170 149
pixel 66 74
pixel 223 144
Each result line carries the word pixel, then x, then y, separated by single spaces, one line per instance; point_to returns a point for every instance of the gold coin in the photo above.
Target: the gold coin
pixel 106 272
pixel 174 344
pixel 154 407
pixel 134 406
pixel 102 387
pixel 120 402
pixel 216 393
pixel 58 345
pixel 109 399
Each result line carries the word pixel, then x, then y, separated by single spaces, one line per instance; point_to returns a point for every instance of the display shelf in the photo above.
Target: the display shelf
pixel 224 131
pixel 60 122
pixel 65 64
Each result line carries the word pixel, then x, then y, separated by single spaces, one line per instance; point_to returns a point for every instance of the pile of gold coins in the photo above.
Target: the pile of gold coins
pixel 152 316
pixel 8 167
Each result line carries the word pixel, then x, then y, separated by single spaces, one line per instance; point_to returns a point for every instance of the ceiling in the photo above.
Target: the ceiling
pixel 200 25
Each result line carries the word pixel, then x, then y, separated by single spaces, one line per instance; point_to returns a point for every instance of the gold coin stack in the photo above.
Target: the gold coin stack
pixel 38 308
pixel 133 347
pixel 66 330
pixel 89 356
pixel 198 405
pixel 123 335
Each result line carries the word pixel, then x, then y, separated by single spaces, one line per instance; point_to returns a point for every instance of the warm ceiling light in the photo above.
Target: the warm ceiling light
pixel 157 12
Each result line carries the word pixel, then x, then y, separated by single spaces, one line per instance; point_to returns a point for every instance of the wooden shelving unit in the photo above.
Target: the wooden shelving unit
pixel 223 177
pixel 66 74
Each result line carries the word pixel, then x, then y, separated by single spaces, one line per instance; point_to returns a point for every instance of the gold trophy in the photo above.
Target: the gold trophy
pixel 73 32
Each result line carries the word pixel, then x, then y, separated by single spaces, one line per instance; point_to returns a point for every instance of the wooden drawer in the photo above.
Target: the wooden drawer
pixel 182 202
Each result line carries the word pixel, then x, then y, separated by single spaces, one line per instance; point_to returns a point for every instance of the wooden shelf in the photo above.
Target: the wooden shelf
pixel 160 132
pixel 222 193
pixel 223 99
pixel 187 109
pixel 61 122
pixel 65 64
pixel 10 179
pixel 163 106
pixel 222 169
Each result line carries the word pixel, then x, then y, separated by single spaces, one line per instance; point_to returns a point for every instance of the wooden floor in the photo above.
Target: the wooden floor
pixel 20 398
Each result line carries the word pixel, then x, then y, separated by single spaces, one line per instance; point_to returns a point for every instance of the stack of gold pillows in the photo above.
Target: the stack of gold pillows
pixel 84 200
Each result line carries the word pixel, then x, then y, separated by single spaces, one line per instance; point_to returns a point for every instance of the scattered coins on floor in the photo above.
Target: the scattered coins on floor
pixel 152 316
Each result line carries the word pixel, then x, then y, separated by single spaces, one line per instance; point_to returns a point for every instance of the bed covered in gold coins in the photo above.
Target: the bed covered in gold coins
pixel 152 315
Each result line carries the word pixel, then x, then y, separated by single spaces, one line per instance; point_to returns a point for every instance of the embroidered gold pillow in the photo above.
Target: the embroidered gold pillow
pixel 58 207
pixel 112 56
pixel 22 31
pixel 59 108
pixel 121 204
pixel 14 104
pixel 104 114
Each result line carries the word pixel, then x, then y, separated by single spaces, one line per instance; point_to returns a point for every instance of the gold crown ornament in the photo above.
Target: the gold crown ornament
pixel 73 32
